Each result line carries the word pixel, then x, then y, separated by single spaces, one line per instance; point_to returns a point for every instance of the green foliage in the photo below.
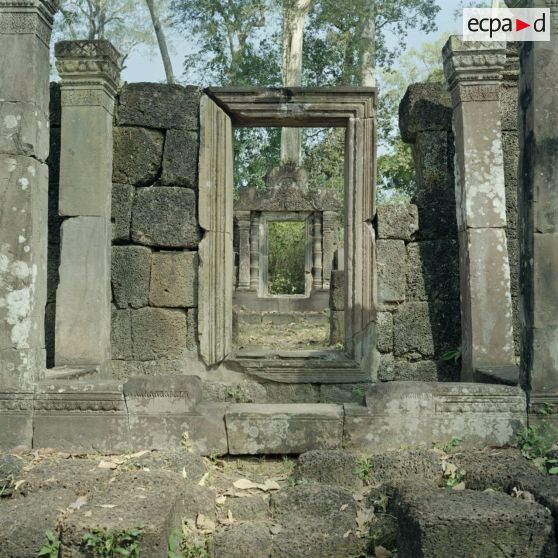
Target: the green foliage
pixel 451 445
pixel 396 170
pixel 51 549
pixel 180 547
pixel 454 354
pixel 286 257
pixel 103 543
pixel 535 443
pixel 363 468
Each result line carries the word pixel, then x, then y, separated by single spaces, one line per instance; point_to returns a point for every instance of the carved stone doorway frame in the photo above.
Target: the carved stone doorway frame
pixel 347 107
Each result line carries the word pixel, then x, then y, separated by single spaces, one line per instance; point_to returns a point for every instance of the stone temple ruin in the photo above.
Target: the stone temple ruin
pixel 126 266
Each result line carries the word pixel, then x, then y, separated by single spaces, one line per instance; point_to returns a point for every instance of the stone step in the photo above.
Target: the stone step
pixel 257 429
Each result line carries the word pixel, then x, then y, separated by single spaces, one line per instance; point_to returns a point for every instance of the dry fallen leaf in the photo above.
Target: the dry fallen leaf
pixel 244 484
pixel 229 519
pixel 79 503
pixel 107 506
pixel 343 507
pixel 459 486
pixel 345 535
pixel 203 480
pixel 203 523
pixel 220 500
pixel 19 483
pixel 107 465
pixel 362 519
pixel 184 473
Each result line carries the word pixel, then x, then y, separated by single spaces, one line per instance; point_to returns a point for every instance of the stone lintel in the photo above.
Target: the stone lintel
pixel 473 63
pixel 87 68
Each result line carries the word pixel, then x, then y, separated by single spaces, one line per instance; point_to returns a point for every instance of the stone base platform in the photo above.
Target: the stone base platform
pixel 168 411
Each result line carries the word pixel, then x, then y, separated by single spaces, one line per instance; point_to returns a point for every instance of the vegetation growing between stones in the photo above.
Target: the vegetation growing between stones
pixel 181 547
pixel 51 549
pixel 102 543
pixel 536 444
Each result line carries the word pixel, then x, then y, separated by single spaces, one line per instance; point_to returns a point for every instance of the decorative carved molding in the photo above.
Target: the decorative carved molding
pixel 473 62
pixel 28 17
pixel 473 92
pixel 88 64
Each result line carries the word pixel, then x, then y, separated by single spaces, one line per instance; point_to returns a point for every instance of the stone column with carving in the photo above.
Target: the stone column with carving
pixel 89 71
pixel 473 73
pixel 317 252
pixel 255 251
pixel 243 221
pixel 25 29
pixel 329 245
pixel 538 212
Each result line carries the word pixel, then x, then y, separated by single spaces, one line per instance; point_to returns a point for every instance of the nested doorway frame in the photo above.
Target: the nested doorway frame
pixel 222 109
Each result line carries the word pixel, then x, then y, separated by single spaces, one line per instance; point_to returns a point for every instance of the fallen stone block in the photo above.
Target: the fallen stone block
pixel 283 429
pixel 332 467
pixel 437 523
pixel 243 540
pixel 25 521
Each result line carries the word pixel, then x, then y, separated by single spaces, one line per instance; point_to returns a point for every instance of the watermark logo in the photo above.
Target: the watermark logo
pixel 506 24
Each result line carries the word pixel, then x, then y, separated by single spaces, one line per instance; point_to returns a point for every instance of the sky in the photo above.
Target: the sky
pixel 143 65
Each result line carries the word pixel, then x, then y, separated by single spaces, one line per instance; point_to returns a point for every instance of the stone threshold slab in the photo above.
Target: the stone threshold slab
pixel 256 429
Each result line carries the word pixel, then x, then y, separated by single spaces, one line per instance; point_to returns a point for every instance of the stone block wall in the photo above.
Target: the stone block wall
pixel 155 226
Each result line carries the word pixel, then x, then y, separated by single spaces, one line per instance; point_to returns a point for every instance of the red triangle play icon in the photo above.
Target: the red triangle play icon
pixel 520 25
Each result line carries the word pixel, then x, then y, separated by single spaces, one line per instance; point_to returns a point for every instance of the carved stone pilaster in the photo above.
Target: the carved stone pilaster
pixel 474 72
pixel 329 225
pixel 89 71
pixel 243 221
pixel 317 252
pixel 480 64
pixel 255 252
pixel 25 29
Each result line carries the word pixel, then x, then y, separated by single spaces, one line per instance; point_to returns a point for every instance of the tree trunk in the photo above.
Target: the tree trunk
pixel 368 60
pixel 161 40
pixel 294 17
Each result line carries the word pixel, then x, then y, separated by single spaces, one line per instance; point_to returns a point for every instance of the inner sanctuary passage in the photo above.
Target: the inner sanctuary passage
pixel 289 239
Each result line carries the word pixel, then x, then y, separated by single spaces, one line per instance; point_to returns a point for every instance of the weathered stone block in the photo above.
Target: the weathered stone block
pixel 131 270
pixel 85 160
pixel 192 325
pixel 16 418
pixel 471 523
pixel 174 279
pixel 258 429
pixel 391 266
pixel 23 267
pixel 137 155
pixel 26 520
pixel 426 329
pixel 337 290
pixel 122 198
pixel 433 270
pixel 244 540
pixel 99 418
pixel 159 106
pixel 158 333
pixel 337 327
pixel 153 500
pixel 23 130
pixel 207 430
pixel 385 332
pixel 165 217
pixel 292 393
pixel 83 297
pixel 121 334
pixel 426 106
pixel 423 413
pixel 508 96
pixel 397 221
pixel 180 159
pixel 331 467
pixel 433 153
pixel 386 369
